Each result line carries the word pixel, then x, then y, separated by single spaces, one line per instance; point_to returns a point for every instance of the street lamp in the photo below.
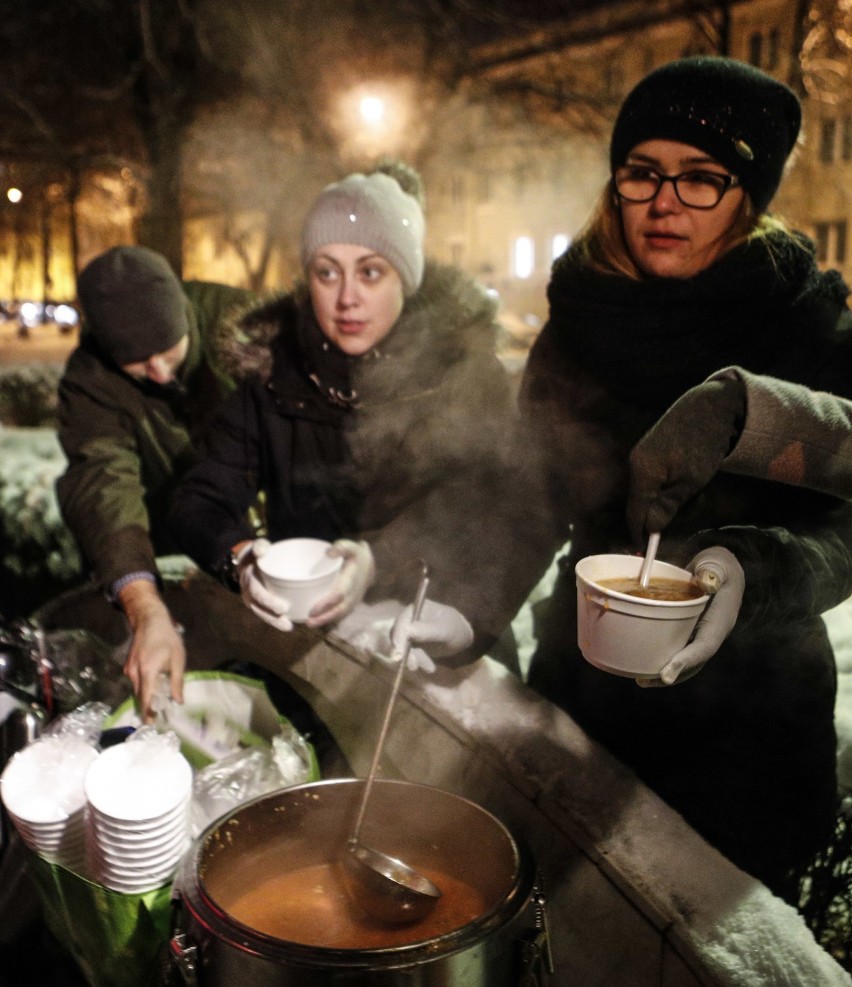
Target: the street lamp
pixel 14 194
pixel 372 119
pixel 372 110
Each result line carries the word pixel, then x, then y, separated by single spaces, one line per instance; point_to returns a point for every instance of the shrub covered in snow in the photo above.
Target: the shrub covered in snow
pixel 39 557
pixel 28 393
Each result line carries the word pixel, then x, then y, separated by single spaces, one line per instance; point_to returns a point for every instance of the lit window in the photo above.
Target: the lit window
pixel 558 245
pixel 524 257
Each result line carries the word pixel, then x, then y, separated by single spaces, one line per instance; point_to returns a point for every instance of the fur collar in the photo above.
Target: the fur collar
pixel 449 318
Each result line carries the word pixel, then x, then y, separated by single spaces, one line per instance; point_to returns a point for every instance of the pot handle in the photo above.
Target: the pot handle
pixel 183 957
pixel 536 954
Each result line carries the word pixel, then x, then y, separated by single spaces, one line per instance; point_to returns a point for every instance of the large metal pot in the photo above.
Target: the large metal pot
pixel 431 829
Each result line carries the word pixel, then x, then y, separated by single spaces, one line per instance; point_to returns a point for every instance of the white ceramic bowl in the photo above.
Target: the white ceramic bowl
pixel 149 839
pixel 300 571
pixel 44 782
pixel 128 870
pixel 629 635
pixel 140 829
pixel 129 784
pixel 139 852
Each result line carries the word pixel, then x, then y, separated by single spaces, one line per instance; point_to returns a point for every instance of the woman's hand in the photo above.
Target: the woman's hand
pixel 719 573
pixel 354 579
pixel 679 456
pixel 440 631
pixel 261 601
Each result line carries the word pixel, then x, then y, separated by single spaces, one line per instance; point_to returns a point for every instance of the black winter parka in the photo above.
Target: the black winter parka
pixel 412 465
pixel 745 749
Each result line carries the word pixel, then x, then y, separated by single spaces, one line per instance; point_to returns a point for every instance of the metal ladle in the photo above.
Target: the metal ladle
pixel 385 887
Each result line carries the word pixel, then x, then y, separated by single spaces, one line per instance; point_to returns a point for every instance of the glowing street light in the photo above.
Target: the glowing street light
pixel 14 194
pixel 372 110
pixel 373 118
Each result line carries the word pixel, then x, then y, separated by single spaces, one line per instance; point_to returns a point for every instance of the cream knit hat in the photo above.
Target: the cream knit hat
pixel 372 211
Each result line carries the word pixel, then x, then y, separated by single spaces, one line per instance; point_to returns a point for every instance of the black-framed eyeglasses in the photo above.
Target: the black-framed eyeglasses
pixel 696 189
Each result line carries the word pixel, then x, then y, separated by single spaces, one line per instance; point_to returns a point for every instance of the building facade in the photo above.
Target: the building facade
pixel 506 209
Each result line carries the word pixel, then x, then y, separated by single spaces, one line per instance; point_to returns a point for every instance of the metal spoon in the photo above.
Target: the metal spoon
pixel 383 886
pixel 650 555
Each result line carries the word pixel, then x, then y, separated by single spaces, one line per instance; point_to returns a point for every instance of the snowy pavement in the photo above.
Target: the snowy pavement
pixel 839 623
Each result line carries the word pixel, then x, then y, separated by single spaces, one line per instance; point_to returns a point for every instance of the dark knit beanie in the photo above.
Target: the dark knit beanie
pixel 737 114
pixel 133 304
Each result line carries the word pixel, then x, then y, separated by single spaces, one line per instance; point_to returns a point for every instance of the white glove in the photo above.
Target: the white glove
pixel 440 630
pixel 261 601
pixel 368 628
pixel 354 579
pixel 718 571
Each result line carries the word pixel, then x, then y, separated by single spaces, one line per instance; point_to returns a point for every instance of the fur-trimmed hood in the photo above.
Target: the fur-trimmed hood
pixel 449 319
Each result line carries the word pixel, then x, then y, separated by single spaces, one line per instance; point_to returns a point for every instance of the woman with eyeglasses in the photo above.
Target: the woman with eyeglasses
pixel 682 272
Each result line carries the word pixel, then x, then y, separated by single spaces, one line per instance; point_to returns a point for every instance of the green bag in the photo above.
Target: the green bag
pixel 116 939
pixel 242 708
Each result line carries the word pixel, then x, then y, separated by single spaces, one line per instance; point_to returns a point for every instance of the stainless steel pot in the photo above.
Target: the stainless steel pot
pixel 307 825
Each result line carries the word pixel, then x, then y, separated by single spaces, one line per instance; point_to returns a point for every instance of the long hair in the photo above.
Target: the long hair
pixel 602 246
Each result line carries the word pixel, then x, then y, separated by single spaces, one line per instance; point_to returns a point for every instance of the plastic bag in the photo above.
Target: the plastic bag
pixel 235 739
pixel 226 784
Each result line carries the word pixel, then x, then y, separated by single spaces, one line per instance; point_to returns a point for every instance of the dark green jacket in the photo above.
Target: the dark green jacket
pixel 129 442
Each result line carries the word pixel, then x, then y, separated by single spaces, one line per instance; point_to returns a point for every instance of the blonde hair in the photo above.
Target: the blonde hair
pixel 602 245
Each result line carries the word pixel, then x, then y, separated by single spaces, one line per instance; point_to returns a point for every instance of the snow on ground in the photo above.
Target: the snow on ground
pixel 839 623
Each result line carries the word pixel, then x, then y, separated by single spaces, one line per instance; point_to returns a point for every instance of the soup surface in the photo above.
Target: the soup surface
pixel 658 588
pixel 310 906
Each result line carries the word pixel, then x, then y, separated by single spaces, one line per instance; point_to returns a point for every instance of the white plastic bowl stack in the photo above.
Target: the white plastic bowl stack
pixel 43 790
pixel 139 819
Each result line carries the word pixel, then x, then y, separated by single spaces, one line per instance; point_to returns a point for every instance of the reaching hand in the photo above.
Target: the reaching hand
pixel 441 631
pixel 354 579
pixel 679 456
pixel 261 601
pixel 156 648
pixel 720 574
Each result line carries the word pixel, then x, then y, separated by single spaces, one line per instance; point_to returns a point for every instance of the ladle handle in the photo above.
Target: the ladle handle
pixel 377 753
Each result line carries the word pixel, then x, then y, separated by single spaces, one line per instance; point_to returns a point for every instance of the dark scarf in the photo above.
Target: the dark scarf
pixel 764 306
pixel 410 360
pixel 328 368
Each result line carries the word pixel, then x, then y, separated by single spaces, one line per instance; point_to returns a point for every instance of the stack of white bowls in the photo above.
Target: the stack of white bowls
pixel 139 815
pixel 43 790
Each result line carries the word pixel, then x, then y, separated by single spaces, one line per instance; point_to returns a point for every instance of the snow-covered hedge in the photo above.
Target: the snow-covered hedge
pixel 28 393
pixel 38 555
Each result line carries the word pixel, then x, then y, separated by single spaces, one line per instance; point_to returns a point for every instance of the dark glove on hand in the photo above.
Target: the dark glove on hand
pixel 677 458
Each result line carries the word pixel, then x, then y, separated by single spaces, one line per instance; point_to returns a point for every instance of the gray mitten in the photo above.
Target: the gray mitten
pixel 678 457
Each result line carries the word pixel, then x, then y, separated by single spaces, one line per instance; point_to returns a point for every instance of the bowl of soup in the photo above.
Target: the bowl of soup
pixel 628 629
